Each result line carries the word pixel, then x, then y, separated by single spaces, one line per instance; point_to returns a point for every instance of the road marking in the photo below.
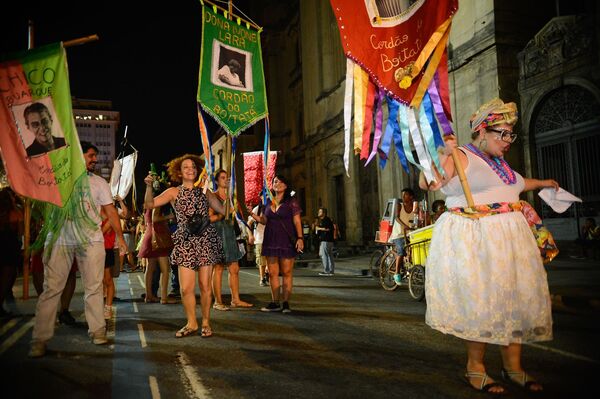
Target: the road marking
pixel 248 273
pixel 131 292
pixel 154 387
pixel 567 354
pixel 135 308
pixel 9 325
pixel 142 282
pixel 199 390
pixel 15 337
pixel 142 335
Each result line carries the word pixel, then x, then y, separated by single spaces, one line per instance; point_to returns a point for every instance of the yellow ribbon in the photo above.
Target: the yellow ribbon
pixel 361 80
pixel 434 61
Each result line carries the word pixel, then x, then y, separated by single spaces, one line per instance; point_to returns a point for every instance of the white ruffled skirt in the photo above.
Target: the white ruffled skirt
pixel 485 280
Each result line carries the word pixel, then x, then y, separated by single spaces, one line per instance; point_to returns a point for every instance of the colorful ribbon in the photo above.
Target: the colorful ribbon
pixel 438 107
pixel 348 113
pixel 361 81
pixel 378 124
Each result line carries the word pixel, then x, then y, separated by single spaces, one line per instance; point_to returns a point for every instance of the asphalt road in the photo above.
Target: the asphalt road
pixel 346 338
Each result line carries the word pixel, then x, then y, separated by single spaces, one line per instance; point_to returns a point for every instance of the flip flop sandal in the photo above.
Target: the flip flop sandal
pixel 483 387
pixel 185 331
pixel 220 306
pixel 206 332
pixel 522 379
pixel 241 305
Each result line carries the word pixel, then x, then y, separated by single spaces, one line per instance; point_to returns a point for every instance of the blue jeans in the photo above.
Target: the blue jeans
pixel 326 254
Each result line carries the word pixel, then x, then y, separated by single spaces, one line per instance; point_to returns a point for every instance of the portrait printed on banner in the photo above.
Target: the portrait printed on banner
pixel 38 126
pixel 231 67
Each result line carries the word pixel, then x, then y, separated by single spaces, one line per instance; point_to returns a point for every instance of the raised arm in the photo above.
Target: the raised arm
pixel 151 202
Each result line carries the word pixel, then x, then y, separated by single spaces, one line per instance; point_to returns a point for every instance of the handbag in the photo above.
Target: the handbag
pixel 161 237
pixel 196 224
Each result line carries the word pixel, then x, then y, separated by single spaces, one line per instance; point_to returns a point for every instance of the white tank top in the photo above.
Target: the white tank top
pixel 486 186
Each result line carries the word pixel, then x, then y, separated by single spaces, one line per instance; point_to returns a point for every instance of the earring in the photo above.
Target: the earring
pixel 482 145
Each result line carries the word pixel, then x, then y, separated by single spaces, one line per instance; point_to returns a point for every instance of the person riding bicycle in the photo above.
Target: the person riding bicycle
pixel 402 224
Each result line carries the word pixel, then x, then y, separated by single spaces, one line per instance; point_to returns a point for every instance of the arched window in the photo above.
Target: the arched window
pixel 566 127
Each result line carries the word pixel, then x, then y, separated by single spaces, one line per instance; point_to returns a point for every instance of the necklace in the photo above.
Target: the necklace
pixel 498 165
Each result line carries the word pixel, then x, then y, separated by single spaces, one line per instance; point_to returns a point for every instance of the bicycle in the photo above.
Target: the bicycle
pixel 387 270
pixel 411 268
pixel 375 261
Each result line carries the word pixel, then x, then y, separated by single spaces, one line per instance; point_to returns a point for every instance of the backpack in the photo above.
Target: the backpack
pixel 336 232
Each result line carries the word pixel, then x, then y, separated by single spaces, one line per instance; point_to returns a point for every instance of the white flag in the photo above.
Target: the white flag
pixel 122 176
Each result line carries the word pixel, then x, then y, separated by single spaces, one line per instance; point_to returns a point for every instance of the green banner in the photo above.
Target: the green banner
pixel 38 139
pixel 231 84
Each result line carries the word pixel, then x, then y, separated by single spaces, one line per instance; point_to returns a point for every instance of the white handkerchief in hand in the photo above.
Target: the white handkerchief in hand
pixel 559 200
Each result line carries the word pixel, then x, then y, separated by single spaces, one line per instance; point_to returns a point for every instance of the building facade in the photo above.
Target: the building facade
pixel 97 122
pixel 542 55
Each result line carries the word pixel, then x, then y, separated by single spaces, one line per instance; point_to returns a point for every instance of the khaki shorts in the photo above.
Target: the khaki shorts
pixel 259 259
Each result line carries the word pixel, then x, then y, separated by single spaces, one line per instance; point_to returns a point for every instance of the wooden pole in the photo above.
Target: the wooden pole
pixel 27 205
pixel 463 179
pixel 228 149
pixel 81 40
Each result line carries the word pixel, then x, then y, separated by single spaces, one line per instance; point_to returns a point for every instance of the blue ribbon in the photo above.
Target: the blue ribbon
pixel 430 112
pixel 392 125
pixel 405 131
pixel 265 160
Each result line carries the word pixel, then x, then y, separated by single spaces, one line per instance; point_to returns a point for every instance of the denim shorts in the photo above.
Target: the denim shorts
pixel 399 243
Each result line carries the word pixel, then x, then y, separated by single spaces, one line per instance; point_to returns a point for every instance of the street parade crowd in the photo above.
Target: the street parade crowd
pixel 485 277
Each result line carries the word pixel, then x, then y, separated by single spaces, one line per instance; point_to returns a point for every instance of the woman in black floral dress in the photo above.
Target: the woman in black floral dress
pixel 191 253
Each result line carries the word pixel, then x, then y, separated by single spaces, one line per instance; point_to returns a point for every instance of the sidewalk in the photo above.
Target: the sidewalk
pixel 574 283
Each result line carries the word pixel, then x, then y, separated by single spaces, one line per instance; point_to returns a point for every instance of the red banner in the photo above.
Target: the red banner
pixel 393 39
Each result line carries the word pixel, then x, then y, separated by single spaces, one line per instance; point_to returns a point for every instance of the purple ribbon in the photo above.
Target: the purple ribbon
pixel 391 130
pixel 380 96
pixel 437 137
pixel 437 105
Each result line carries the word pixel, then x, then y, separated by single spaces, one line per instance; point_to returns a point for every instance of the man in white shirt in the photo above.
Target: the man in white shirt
pixel 402 224
pixel 90 257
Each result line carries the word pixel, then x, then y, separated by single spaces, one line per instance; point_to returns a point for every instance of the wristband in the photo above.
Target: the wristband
pixel 299 238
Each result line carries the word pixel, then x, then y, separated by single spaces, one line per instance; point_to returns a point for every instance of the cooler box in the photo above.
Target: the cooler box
pixel 419 241
pixel 385 231
pixel 387 221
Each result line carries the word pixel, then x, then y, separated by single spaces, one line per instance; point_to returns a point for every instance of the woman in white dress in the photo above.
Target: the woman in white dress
pixel 485 278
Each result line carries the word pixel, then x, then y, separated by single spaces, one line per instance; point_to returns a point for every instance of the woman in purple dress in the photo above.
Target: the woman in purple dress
pixel 282 241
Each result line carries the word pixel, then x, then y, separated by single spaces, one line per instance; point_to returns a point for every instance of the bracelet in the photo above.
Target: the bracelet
pixel 299 238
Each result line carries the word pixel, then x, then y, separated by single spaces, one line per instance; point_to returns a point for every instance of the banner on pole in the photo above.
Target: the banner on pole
pixel 231 84
pixel 39 142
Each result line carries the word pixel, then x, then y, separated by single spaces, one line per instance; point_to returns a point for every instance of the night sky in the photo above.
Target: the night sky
pixel 146 62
